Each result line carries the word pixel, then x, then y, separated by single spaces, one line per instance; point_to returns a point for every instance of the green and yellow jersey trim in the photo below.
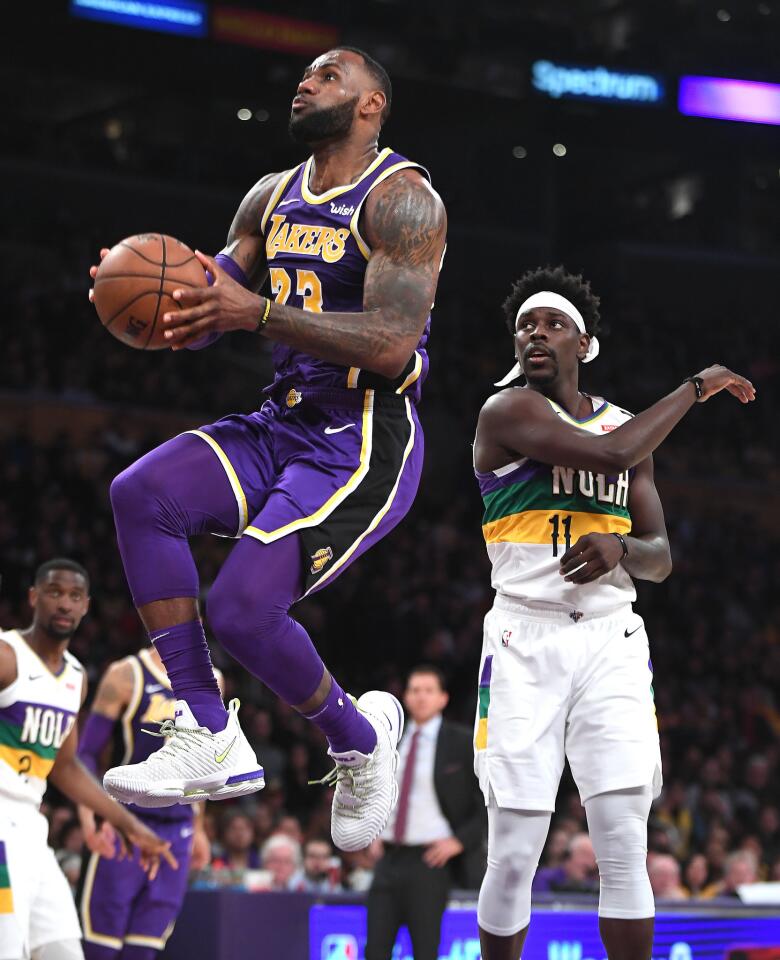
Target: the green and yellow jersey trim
pixel 533 526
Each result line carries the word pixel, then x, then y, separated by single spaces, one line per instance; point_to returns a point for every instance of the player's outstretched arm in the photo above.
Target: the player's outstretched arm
pixel 646 554
pixel 521 423
pixel 111 699
pixel 406 225
pixel 74 780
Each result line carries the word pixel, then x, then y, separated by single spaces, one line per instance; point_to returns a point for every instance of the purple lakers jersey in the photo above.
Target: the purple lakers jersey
pixel 317 261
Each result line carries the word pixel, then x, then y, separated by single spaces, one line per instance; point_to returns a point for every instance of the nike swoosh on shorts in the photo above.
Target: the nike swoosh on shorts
pixel 627 634
pixel 338 429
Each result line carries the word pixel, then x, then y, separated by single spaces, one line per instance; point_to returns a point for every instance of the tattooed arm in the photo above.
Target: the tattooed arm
pixel 405 223
pixel 245 244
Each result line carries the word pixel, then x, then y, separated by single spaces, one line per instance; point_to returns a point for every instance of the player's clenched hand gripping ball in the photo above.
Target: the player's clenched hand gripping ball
pixel 134 283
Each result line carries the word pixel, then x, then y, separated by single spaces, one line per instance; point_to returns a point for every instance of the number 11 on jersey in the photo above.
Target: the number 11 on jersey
pixel 555 522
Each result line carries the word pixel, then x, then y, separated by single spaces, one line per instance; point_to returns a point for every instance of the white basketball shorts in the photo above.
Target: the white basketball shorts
pixel 551 687
pixel 36 904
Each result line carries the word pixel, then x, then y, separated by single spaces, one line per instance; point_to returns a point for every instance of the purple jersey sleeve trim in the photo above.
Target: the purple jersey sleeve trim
pixel 93 738
pixel 232 268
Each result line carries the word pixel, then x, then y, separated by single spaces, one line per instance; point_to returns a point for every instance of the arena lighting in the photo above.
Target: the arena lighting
pixel 186 17
pixel 596 83
pixel 723 99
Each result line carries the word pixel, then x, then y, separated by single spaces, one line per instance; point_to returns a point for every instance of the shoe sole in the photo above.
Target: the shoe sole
pixel 238 785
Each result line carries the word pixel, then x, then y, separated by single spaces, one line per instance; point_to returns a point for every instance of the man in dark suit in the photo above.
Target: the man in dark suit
pixel 436 836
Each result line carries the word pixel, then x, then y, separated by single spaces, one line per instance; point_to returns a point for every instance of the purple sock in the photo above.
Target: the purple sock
pixel 187 660
pixel 341 722
pixel 248 610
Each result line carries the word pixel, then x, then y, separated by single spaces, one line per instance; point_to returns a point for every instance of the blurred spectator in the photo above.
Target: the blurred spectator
pixel 360 866
pixel 664 873
pixel 70 839
pixel 577 873
pixel 260 735
pixel 695 874
pixel 70 864
pixel 281 856
pixel 321 871
pixel 741 868
pixel 237 850
pixel 555 848
pixel 289 826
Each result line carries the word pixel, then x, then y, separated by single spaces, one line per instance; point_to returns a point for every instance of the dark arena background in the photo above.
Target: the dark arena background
pixel 636 142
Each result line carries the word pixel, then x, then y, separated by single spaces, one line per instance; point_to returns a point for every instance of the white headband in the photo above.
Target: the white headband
pixel 546 298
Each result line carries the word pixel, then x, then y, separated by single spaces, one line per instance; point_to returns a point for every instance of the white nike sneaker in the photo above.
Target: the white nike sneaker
pixel 193 764
pixel 366 788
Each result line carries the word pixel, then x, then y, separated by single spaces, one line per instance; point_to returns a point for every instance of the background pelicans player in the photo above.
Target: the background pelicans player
pixel 123 909
pixel 42 688
pixel 353 241
pixel 571 514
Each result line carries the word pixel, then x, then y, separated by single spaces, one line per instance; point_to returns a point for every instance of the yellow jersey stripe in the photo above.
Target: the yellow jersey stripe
pixel 132 708
pixel 6 901
pixel 314 198
pixel 594 418
pixel 353 223
pixel 90 935
pixel 480 742
pixel 235 483
pixel 352 377
pixel 276 196
pixel 268 536
pixel 22 761
pixel 415 373
pixel 138 940
pixel 534 526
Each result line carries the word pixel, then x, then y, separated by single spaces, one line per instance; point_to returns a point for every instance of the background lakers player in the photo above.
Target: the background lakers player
pixel 571 515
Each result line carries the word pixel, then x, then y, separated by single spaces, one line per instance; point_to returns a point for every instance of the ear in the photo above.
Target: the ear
pixel 32 596
pixel 374 104
pixel 582 350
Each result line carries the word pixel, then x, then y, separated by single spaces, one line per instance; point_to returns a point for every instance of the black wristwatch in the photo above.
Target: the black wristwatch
pixel 698 386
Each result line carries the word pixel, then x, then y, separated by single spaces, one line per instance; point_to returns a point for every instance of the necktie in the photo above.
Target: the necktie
pixel 406 790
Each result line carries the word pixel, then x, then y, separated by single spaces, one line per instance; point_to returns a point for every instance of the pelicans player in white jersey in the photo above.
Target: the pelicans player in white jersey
pixel 571 515
pixel 42 688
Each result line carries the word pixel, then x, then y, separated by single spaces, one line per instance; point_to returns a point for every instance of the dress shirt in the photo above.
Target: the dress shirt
pixel 425 820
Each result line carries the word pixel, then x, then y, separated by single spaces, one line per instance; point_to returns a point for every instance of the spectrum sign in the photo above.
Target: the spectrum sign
pixel 558 80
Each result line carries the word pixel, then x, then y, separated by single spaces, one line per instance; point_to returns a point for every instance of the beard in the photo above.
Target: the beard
pixel 328 123
pixel 58 633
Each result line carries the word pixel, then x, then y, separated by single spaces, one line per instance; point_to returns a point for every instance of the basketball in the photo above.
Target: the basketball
pixel 134 286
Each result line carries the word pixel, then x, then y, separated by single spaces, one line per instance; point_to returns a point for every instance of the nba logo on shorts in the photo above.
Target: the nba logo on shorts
pixel 506 634
pixel 339 946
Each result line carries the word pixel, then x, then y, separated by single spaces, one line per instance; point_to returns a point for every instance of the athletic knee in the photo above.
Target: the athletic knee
pixel 618 829
pixel 134 492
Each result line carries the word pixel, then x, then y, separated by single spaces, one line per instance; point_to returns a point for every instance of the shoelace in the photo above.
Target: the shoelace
pixel 335 776
pixel 179 740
